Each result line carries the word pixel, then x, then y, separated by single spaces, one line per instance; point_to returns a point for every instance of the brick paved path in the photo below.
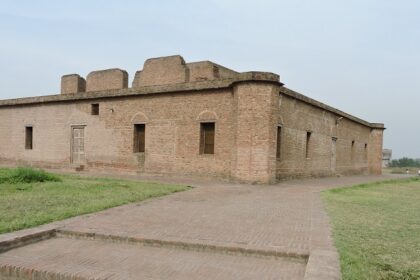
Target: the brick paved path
pixel 87 258
pixel 287 219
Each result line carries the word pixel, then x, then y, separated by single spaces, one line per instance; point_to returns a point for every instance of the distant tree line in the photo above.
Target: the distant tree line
pixel 405 162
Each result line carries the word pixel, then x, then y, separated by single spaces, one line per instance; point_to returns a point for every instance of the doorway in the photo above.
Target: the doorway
pixel 78 144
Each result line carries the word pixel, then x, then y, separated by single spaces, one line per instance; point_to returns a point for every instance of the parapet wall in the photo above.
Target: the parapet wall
pixel 207 71
pixel 107 80
pixel 156 71
pixel 72 83
pixel 162 71
pixel 174 70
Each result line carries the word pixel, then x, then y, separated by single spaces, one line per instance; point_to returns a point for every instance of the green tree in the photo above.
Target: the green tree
pixel 405 162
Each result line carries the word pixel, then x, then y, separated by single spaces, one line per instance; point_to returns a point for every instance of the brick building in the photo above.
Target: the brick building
pixel 187 118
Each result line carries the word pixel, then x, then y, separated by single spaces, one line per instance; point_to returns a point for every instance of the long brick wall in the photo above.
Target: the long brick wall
pixel 354 143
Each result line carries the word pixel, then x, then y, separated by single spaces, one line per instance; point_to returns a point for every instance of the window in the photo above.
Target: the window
pixel 308 146
pixel 139 138
pixel 278 152
pixel 94 109
pixel 29 137
pixel 366 150
pixel 207 138
pixel 352 150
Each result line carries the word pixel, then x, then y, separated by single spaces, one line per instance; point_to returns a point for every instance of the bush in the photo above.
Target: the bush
pixel 30 175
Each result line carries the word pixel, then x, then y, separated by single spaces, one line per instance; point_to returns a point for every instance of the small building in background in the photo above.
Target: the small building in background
pixel 386 157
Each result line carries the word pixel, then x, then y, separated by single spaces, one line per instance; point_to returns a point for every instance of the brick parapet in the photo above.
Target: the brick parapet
pixel 186 87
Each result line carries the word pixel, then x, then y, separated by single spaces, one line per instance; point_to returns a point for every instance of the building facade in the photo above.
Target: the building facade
pixel 187 118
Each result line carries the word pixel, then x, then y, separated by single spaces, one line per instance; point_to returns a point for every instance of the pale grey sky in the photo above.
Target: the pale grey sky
pixel 361 56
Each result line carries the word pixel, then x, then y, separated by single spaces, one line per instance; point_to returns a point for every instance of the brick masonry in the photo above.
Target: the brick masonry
pixel 107 80
pixel 172 98
pixel 72 83
pixel 161 71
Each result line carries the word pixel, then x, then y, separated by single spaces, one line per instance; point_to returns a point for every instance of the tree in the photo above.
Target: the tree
pixel 405 162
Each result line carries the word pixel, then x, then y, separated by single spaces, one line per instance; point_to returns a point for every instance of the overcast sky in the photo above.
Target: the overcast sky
pixel 361 56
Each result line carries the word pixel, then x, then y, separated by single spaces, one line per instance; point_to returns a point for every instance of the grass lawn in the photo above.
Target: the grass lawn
pixel 402 170
pixel 376 228
pixel 29 197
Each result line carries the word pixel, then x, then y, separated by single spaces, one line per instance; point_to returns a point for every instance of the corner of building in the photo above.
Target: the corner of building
pixel 375 148
pixel 255 106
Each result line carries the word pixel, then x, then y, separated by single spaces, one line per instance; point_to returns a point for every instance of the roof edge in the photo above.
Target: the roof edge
pixel 252 76
pixel 190 86
pixel 316 103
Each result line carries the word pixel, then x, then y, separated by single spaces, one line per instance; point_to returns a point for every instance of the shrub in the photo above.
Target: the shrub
pixel 30 175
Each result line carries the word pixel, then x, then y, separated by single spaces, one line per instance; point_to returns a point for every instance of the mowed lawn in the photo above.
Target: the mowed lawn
pixel 31 197
pixel 376 228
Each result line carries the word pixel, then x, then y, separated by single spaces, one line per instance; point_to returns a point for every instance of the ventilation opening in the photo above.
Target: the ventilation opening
pixel 308 144
pixel 366 152
pixel 207 138
pixel 278 152
pixel 29 137
pixel 94 110
pixel 139 138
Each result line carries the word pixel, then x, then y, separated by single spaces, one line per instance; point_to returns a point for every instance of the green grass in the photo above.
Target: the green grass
pixel 376 229
pixel 28 175
pixel 402 170
pixel 31 197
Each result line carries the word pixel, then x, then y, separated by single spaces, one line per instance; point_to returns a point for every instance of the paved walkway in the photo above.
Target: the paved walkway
pixel 287 217
pixel 180 235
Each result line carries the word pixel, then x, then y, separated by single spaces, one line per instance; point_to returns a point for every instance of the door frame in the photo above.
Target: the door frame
pixel 72 127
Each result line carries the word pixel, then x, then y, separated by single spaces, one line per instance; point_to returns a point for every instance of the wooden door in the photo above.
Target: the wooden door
pixel 78 145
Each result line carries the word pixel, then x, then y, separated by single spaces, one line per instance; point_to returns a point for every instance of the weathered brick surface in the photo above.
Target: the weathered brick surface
pixel 287 217
pixel 107 80
pixel 375 151
pixel 207 70
pixel 172 133
pixel 172 98
pixel 323 265
pixel 255 128
pixel 83 259
pixel 72 83
pixel 297 118
pixel 161 71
